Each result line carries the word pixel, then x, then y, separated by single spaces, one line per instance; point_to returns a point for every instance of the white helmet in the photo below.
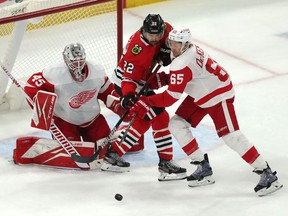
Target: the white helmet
pixel 182 35
pixel 75 58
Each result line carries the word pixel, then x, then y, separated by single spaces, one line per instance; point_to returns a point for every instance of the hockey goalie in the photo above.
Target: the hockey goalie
pixel 68 95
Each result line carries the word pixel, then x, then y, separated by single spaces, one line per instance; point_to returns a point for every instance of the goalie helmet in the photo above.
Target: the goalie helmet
pixel 182 35
pixel 75 58
pixel 153 24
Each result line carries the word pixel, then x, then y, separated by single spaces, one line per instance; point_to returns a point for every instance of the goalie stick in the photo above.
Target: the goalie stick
pixel 54 130
pixel 93 157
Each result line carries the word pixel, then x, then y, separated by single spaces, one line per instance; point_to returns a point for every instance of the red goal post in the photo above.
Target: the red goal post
pixel 33 34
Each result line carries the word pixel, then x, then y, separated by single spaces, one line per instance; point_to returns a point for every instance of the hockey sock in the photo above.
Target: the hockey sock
pixel 163 141
pixel 130 139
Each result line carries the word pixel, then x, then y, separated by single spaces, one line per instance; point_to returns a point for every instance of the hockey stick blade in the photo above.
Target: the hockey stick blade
pixel 86 159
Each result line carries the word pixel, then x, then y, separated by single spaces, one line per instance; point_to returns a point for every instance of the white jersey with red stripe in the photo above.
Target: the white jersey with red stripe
pixel 197 74
pixel 209 83
pixel 77 102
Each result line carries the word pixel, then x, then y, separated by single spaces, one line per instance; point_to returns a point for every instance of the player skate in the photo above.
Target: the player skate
pixel 170 171
pixel 268 182
pixel 114 163
pixel 202 175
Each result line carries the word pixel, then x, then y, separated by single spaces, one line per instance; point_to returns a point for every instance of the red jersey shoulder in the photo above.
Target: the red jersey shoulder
pixel 38 81
pixel 167 29
pixel 136 46
pixel 179 79
pixel 138 54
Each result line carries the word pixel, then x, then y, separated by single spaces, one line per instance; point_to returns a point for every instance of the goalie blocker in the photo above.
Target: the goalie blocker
pixel 47 152
pixel 43 109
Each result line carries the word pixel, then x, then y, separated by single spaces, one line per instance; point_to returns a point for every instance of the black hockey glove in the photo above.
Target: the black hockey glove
pixel 128 100
pixel 164 55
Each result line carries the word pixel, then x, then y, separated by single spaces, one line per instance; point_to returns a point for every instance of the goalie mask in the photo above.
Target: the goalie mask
pixel 182 36
pixel 75 58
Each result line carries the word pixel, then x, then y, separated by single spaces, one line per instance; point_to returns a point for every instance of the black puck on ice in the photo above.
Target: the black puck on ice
pixel 118 197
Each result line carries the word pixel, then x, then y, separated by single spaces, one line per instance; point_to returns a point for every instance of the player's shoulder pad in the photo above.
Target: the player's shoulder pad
pixel 136 44
pixel 56 72
pixel 96 69
pixel 178 64
pixel 168 26
pixel 183 60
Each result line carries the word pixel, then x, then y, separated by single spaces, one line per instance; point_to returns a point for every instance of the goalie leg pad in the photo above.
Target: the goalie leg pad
pixel 48 152
pixel 22 145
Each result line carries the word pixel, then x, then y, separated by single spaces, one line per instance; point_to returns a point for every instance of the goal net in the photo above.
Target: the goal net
pixel 33 34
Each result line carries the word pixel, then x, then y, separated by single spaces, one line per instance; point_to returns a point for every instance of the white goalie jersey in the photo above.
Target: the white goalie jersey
pixel 77 102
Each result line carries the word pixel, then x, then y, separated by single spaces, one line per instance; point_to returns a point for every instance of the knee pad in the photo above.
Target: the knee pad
pixel 237 141
pixel 161 121
pixel 177 123
pixel 180 130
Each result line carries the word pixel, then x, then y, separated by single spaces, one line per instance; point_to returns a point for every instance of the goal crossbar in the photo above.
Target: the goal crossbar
pixel 51 10
pixel 48 26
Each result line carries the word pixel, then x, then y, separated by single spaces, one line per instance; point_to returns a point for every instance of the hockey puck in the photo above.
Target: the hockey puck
pixel 118 197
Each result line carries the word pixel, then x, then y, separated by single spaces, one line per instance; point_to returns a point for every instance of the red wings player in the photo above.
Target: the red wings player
pixel 210 91
pixel 79 85
pixel 147 46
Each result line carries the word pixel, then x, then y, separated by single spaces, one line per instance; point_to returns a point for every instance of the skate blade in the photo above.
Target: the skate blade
pixel 265 191
pixel 112 168
pixel 205 181
pixel 172 176
pixel 96 164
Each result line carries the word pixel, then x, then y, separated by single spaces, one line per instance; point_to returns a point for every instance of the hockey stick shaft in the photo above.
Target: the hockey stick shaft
pixel 54 130
pixel 89 159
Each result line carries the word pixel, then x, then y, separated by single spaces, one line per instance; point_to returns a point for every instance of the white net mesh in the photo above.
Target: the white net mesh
pixel 94 26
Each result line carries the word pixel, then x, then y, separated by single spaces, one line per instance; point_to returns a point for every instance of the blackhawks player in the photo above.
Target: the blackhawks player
pixel 145 48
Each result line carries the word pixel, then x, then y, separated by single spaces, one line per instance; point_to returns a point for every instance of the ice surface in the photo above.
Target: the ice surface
pixel 248 38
